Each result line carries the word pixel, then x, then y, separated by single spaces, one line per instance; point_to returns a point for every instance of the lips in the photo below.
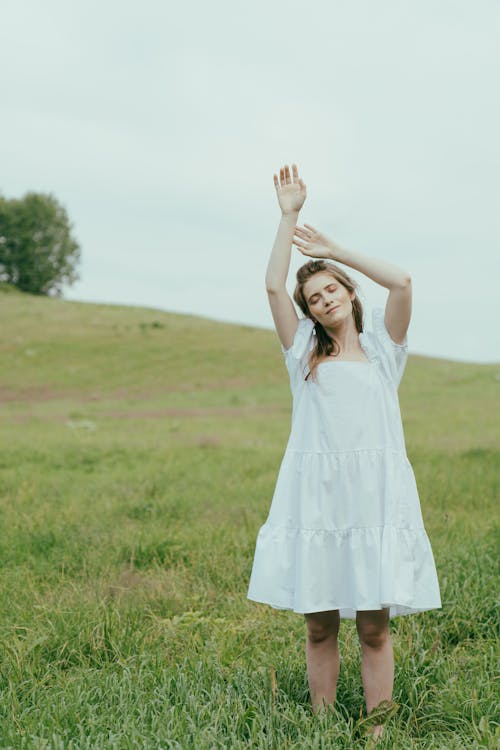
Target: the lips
pixel 332 309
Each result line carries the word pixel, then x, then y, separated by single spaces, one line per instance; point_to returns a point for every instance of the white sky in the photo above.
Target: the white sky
pixel 159 127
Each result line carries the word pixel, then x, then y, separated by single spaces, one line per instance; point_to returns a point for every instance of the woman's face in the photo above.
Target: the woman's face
pixel 328 300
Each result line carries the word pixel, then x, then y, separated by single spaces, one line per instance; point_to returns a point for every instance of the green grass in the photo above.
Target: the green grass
pixel 139 453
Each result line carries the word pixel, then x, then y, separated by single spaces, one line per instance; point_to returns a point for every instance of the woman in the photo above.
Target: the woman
pixel 344 537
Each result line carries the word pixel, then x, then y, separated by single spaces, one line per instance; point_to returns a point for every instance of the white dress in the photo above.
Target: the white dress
pixel 345 529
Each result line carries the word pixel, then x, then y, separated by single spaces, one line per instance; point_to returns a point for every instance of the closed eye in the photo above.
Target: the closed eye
pixel 315 297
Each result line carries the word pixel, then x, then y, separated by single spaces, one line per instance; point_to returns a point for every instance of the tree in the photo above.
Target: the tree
pixel 38 253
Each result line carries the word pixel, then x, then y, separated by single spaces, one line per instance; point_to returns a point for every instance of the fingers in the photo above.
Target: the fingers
pixel 286 179
pixel 304 232
pixel 284 175
pixel 299 243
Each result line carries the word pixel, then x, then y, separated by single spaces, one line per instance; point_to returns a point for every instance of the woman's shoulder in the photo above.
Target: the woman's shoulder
pixel 302 339
pixel 380 329
pixel 297 355
pixel 392 355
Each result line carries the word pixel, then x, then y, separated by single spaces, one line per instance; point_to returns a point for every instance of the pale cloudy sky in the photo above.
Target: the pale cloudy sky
pixel 159 126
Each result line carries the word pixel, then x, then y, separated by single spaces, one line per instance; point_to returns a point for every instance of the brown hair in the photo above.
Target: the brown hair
pixel 325 344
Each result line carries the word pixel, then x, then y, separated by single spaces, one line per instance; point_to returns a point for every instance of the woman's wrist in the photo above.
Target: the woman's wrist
pixel 292 214
pixel 337 253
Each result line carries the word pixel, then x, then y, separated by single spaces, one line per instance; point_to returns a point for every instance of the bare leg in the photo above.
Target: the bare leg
pixel 322 656
pixel 377 658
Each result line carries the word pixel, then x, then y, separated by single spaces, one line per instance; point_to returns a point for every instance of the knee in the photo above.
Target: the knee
pixel 373 636
pixel 319 633
pixel 373 627
pixel 321 628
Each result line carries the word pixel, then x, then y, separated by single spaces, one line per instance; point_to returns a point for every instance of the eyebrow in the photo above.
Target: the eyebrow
pixel 326 285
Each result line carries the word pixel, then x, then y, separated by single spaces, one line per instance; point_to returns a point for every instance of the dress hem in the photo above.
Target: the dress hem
pixel 348 612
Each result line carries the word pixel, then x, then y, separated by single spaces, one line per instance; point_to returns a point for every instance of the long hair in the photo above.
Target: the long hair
pixel 325 344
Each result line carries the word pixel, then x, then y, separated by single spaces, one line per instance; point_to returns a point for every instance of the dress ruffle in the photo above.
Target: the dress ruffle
pixel 337 489
pixel 314 570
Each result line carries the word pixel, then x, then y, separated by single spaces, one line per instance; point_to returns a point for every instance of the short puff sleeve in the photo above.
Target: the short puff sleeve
pixel 393 356
pixel 297 356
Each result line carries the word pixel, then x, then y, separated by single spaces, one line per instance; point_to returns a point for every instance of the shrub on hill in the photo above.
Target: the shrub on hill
pixel 38 253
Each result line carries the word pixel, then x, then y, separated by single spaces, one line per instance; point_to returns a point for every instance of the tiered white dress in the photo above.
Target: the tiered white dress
pixel 345 529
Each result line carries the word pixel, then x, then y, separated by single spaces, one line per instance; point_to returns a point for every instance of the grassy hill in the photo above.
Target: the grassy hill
pixel 139 454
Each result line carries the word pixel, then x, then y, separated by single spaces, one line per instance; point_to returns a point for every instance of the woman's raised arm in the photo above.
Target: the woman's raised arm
pixel 291 193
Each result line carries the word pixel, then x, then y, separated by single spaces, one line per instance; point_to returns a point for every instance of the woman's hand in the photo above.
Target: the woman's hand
pixel 312 243
pixel 291 194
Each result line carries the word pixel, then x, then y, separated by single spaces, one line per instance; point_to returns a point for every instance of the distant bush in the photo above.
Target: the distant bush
pixel 38 253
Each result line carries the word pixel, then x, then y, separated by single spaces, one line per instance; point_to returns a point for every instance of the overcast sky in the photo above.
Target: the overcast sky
pixel 159 127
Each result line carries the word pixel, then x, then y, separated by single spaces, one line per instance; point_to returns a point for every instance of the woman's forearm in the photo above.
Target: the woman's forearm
pixel 383 273
pixel 279 262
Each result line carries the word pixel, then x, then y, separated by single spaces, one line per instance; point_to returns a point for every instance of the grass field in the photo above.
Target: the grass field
pixel 139 452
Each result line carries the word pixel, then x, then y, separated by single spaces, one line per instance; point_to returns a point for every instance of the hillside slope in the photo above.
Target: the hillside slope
pixel 56 355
